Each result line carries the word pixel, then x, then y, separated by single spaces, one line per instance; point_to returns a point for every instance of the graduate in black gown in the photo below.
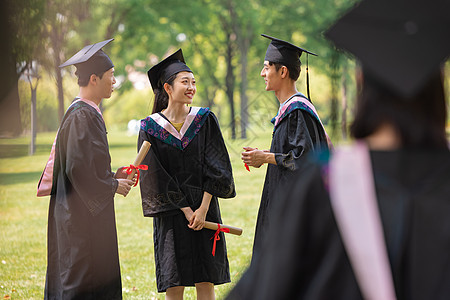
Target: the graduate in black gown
pixel 297 129
pixel 400 129
pixel 188 169
pixel 83 260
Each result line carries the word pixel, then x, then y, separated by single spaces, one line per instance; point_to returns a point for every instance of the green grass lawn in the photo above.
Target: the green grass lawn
pixel 23 218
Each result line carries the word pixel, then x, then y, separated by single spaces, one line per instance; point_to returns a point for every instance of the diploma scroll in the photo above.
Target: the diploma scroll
pixel 136 166
pixel 215 226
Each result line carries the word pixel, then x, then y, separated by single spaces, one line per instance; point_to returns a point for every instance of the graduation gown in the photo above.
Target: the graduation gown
pixel 83 260
pixel 297 131
pixel 307 259
pixel 181 167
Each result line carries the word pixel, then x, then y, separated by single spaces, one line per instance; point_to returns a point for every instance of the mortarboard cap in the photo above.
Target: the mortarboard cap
pixel 287 54
pixel 283 52
pixel 173 64
pixel 91 59
pixel 399 43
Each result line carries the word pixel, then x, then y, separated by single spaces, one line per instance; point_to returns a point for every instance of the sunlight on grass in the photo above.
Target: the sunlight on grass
pixel 23 219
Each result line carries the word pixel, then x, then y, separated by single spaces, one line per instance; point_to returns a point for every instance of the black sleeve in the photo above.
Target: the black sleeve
pixel 317 133
pixel 218 174
pixel 160 193
pixel 295 141
pixel 87 161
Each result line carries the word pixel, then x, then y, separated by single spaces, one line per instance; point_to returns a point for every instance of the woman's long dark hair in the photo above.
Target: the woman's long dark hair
pixel 419 120
pixel 161 98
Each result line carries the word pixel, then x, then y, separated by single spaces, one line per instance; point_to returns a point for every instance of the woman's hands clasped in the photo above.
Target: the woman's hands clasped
pixel 195 218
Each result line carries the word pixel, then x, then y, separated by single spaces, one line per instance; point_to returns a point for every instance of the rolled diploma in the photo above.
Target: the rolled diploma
pixel 208 225
pixel 214 226
pixel 140 157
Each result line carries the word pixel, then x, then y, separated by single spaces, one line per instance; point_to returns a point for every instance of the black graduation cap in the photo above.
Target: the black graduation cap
pixel 283 52
pixel 399 43
pixel 173 64
pixel 287 54
pixel 91 59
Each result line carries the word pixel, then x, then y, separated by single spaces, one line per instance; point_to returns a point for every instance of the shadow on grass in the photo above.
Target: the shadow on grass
pixel 115 145
pixel 14 178
pixel 19 150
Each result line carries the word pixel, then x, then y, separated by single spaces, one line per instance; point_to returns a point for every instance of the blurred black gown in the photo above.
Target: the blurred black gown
pixel 83 258
pixel 304 257
pixel 180 171
pixel 297 133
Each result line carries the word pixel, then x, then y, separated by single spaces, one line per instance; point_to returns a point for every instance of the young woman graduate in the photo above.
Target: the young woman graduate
pixel 373 221
pixel 188 168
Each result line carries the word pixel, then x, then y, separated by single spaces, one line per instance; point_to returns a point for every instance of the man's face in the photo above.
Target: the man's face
pixel 105 85
pixel 271 76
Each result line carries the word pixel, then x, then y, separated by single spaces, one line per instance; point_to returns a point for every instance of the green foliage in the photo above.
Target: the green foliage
pixel 25 18
pixel 132 104
pixel 207 24
pixel 146 31
pixel 46 108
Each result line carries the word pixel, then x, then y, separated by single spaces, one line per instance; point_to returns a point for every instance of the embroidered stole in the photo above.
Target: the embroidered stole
pixel 159 127
pixel 298 101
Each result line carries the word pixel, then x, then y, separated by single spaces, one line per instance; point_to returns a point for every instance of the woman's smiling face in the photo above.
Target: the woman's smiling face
pixel 183 88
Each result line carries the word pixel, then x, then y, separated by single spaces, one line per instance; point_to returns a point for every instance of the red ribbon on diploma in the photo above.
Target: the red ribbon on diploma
pixel 246 166
pixel 217 237
pixel 137 168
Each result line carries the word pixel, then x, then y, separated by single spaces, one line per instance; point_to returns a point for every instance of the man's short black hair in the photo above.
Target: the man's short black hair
pixel 294 71
pixel 84 81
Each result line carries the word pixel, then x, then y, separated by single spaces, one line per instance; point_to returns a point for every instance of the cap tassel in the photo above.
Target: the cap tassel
pixel 307 78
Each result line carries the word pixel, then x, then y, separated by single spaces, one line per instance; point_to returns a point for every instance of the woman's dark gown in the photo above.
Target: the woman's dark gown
pixel 180 170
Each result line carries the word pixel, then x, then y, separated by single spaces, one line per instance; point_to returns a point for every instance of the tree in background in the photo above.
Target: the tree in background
pixel 20 36
pixel 32 74
pixel 303 22
pixel 63 19
pixel 221 41
pixel 243 19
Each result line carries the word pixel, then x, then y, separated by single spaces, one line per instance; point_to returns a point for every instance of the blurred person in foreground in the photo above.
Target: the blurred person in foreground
pixel 371 221
pixel 83 257
pixel 297 130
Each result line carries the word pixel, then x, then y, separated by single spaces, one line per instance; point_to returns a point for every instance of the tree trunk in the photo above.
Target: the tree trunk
pixel 10 123
pixel 359 84
pixel 59 81
pixel 59 85
pixel 344 103
pixel 335 75
pixel 33 119
pixel 229 82
pixel 242 35
pixel 209 96
pixel 57 38
pixel 244 100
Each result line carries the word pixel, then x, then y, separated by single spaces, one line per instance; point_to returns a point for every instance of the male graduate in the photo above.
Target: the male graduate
pixel 297 128
pixel 371 222
pixel 83 260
